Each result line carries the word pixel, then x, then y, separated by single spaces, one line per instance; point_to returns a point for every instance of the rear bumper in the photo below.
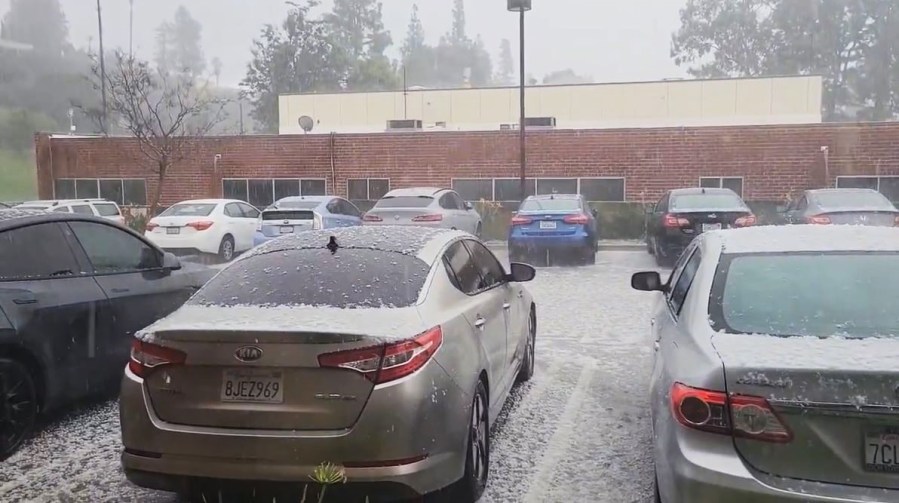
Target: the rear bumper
pixel 520 242
pixel 199 242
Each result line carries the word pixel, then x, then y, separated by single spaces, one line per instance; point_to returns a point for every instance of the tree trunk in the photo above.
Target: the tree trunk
pixel 160 182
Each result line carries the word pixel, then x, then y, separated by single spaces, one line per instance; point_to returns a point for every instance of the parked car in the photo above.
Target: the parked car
pixel 774 374
pixel 294 214
pixel 388 350
pixel 556 223
pixel 73 291
pixel 841 206
pixel 222 227
pixel 426 207
pixel 97 207
pixel 682 214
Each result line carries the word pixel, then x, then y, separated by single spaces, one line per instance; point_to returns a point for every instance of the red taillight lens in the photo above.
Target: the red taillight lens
pixel 146 356
pixel 383 364
pixel 739 415
pixel 818 219
pixel 201 225
pixel 436 217
pixel 371 218
pixel 150 226
pixel 576 219
pixel 746 221
pixel 670 220
pixel 516 220
pixel 896 221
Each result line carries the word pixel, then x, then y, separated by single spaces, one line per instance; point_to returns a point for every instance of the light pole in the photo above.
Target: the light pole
pixel 102 69
pixel 131 29
pixel 521 6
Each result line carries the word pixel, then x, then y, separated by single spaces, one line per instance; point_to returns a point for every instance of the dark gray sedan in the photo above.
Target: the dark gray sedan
pixel 841 206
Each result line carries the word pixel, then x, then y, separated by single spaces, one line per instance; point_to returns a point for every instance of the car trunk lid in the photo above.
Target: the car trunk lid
pixel 401 216
pixel 837 396
pixel 549 223
pixel 280 222
pixel 179 225
pixel 697 222
pixel 861 217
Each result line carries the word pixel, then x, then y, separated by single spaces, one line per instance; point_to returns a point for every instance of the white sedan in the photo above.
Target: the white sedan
pixel 223 227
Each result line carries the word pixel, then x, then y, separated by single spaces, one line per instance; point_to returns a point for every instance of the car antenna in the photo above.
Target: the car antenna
pixel 332 245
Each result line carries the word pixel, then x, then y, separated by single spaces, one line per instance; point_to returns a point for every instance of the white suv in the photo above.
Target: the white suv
pixel 97 207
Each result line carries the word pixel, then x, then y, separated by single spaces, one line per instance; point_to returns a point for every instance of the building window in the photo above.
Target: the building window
pixel 602 189
pixel 123 191
pixel 509 189
pixel 886 185
pixel 367 189
pixel 556 186
pixel 473 190
pixel 734 183
pixel 262 192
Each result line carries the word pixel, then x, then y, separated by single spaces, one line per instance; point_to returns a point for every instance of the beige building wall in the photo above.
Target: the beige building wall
pixel 781 100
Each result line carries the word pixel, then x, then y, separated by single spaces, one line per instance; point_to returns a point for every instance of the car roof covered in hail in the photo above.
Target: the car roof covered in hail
pixel 805 238
pixel 415 192
pixel 17 217
pixel 421 242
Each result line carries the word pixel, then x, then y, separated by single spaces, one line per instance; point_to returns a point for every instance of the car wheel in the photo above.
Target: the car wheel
pixel 527 365
pixel 590 255
pixel 650 246
pixel 18 406
pixel 477 460
pixel 226 249
pixel 657 253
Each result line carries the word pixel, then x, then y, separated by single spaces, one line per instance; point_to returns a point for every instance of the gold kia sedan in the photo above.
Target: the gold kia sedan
pixel 383 352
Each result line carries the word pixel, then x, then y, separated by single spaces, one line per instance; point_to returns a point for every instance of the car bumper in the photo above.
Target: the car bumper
pixel 186 244
pixel 700 468
pixel 416 447
pixel 538 242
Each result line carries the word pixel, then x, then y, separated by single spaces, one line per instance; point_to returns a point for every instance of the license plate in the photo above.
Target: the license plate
pixel 882 452
pixel 173 230
pixel 287 230
pixel 710 227
pixel 254 386
pixel 547 225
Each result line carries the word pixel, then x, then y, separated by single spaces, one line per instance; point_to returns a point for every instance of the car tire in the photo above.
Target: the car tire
pixel 657 496
pixel 590 256
pixel 226 249
pixel 657 253
pixel 527 365
pixel 650 246
pixel 471 487
pixel 18 405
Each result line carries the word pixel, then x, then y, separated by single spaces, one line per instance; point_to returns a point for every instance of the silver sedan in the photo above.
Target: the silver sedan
pixel 425 207
pixel 388 352
pixel 775 375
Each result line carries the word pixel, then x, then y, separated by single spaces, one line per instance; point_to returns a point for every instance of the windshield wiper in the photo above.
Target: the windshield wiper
pixel 62 272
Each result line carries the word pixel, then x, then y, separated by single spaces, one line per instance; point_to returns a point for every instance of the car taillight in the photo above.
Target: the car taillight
pixel 747 221
pixel 670 220
pixel 151 226
pixel 317 222
pixel 436 217
pixel 576 219
pixel 738 415
pixel 201 225
pixel 259 224
pixel 371 218
pixel 896 221
pixel 146 356
pixel 516 220
pixel 381 364
pixel 818 219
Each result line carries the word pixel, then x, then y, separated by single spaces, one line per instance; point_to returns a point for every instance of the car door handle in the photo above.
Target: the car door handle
pixel 507 306
pixel 26 300
pixel 120 290
pixel 480 322
pixel 656 346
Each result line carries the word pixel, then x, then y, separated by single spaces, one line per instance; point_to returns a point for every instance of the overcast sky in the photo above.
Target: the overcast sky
pixel 610 40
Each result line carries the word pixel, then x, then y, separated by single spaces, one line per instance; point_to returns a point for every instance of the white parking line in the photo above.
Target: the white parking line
pixel 565 429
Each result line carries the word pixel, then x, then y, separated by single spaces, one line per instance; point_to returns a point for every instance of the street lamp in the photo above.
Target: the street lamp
pixel 521 6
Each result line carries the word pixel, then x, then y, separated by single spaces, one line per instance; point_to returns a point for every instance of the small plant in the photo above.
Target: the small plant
pixel 326 474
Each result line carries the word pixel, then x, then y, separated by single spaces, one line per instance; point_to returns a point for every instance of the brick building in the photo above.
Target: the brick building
pixel 622 165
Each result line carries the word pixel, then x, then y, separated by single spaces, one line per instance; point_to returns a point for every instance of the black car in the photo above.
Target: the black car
pixel 73 289
pixel 841 206
pixel 682 214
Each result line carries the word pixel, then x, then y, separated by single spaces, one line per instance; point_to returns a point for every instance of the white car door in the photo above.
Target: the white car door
pixel 249 218
pixel 232 218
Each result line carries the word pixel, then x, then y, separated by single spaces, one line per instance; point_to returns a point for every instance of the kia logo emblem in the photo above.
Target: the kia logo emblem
pixel 248 353
pixel 396 217
pixel 287 221
pixel 712 215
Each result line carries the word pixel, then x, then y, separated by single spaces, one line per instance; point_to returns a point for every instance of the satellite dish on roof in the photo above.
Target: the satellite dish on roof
pixel 306 123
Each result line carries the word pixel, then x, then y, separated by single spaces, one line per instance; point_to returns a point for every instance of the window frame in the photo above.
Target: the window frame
pixel 471 244
pixel 367 187
pixel 492 182
pixel 451 272
pixel 246 182
pixel 623 187
pixel 77 262
pixel 877 178
pixel 676 310
pixel 121 182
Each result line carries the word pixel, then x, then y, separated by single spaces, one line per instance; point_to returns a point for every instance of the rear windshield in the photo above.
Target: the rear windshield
pixel 350 278
pixel 188 210
pixel 872 200
pixel 286 215
pixel 550 205
pixel 706 202
pixel 405 202
pixel 808 294
pixel 107 210
pixel 298 205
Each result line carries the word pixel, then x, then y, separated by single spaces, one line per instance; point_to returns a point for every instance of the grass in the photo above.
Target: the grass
pixel 18 176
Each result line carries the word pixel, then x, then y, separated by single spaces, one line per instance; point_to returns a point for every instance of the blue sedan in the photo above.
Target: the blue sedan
pixel 551 224
pixel 294 214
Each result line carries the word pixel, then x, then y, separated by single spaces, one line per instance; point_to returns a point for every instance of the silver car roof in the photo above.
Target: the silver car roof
pixel 416 192
pixel 804 238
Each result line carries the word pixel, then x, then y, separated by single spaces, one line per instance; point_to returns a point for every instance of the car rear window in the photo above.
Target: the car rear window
pixel 405 202
pixel 853 200
pixel 350 278
pixel 32 207
pixel 298 205
pixel 287 215
pixel 107 210
pixel 550 205
pixel 808 294
pixel 707 202
pixel 188 210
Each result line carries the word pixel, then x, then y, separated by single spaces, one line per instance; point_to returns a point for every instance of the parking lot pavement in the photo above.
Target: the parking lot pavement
pixel 579 431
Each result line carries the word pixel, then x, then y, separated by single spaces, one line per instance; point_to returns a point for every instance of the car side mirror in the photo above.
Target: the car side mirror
pixel 649 281
pixel 170 261
pixel 469 206
pixel 521 273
